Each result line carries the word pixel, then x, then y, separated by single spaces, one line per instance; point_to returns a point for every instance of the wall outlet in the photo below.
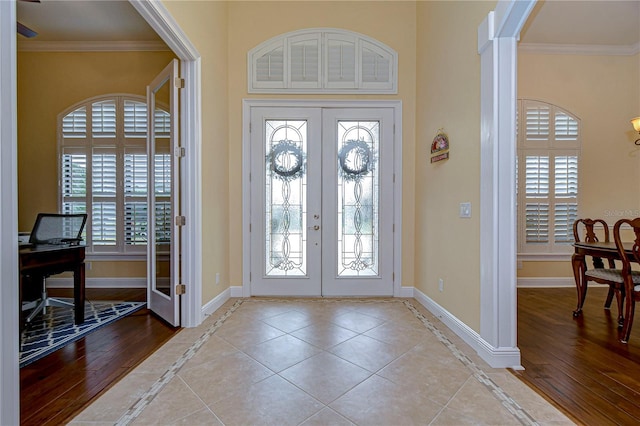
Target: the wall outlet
pixel 217 278
pixel 440 284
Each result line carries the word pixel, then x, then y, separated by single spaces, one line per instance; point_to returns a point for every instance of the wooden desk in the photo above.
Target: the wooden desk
pixel 39 261
pixel 597 250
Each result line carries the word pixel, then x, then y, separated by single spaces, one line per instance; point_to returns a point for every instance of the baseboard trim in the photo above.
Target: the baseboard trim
pixel 546 282
pixel 215 303
pixel 67 282
pixel 501 357
pixel 236 291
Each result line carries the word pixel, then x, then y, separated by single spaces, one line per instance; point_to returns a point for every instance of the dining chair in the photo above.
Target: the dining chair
pixel 629 254
pixel 609 276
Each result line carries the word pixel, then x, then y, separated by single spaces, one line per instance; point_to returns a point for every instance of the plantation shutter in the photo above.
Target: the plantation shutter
pixel 548 146
pixel 103 171
pixel 304 66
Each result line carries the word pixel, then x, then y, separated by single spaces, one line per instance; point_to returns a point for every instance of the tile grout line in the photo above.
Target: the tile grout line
pixel 508 402
pixel 138 407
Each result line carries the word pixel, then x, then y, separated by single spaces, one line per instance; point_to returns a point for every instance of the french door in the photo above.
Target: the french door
pixel 163 187
pixel 321 201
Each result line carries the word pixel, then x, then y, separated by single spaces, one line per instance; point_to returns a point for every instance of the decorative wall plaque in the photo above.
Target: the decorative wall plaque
pixel 440 147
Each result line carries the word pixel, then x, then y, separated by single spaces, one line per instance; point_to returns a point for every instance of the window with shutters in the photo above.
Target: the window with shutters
pixel 325 60
pixel 547 177
pixel 103 171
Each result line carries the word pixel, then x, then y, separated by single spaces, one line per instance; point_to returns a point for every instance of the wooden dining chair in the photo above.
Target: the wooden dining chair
pixel 609 276
pixel 631 278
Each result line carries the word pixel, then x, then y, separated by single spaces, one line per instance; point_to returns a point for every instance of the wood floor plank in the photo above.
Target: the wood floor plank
pixel 57 387
pixel 578 363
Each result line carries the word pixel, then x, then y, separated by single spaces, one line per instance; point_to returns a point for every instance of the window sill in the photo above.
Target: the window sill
pixel 116 257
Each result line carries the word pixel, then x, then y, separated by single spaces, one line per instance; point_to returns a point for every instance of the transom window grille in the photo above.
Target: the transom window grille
pixel 325 60
pixel 103 172
pixel 547 177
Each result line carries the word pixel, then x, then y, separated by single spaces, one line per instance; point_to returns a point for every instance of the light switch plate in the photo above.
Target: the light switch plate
pixel 465 210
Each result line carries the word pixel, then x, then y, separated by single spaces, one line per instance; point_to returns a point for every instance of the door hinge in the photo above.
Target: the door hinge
pixel 179 82
pixel 249 227
pixel 393 277
pixel 181 221
pixel 179 151
pixel 181 289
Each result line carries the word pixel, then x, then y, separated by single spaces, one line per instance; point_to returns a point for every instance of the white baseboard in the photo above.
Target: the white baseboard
pixel 236 291
pixel 549 282
pixel 215 303
pixel 495 357
pixel 60 282
pixel 406 292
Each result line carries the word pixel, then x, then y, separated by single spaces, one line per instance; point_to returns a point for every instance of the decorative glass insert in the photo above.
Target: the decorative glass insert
pixel 358 198
pixel 286 198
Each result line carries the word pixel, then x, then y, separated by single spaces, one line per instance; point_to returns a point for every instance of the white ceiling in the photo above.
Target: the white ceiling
pixel 565 22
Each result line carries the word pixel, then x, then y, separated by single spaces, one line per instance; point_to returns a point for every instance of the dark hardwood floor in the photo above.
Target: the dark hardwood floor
pixel 578 363
pixel 57 387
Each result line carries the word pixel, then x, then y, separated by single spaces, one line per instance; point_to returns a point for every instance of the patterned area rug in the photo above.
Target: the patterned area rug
pixel 53 330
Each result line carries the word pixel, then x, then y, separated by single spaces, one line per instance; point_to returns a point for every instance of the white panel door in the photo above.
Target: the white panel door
pixel 321 201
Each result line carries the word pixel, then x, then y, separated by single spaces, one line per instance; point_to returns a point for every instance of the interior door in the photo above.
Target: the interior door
pixel 163 213
pixel 321 201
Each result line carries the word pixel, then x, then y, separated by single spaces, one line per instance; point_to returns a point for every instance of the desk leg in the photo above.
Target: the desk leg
pixel 579 268
pixel 78 293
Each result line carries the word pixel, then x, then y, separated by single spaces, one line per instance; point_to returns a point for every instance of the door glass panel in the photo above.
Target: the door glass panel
pixel 358 198
pixel 162 184
pixel 285 198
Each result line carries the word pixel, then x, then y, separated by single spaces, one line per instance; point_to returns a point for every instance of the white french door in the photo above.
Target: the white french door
pixel 163 187
pixel 321 201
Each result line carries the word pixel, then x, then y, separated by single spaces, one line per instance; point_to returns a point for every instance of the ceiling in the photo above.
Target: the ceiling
pixel 564 22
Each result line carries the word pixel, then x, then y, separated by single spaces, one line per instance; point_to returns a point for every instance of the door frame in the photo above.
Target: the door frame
pixel 247 104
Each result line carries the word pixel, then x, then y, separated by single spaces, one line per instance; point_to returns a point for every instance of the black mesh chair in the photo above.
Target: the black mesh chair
pixel 58 230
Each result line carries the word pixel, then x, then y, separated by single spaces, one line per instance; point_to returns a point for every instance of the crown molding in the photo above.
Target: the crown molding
pixel 91 46
pixel 580 49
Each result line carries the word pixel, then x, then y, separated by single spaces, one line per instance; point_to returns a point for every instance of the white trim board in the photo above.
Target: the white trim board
pixel 551 282
pixel 67 282
pixel 508 357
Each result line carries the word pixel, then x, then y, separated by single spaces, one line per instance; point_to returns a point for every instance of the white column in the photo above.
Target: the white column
pixel 9 385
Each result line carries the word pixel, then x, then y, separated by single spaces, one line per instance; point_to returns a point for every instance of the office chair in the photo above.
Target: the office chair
pixel 58 230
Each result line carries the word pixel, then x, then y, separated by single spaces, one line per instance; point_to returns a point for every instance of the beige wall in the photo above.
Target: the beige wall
pixel 446 246
pixel 205 24
pixel 251 23
pixel 49 83
pixel 604 92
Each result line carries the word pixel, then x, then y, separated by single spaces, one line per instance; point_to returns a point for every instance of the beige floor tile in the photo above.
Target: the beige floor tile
pixel 357 322
pixel 325 417
pixel 289 321
pixel 367 352
pixel 473 400
pixel 273 401
pixel 214 348
pixel 324 334
pixel 164 357
pixel 378 401
pixel 245 336
pixel 529 400
pixel 398 335
pixel 117 400
pixel 325 376
pixel 201 417
pixel 213 380
pixel 439 378
pixel 282 352
pixel 166 408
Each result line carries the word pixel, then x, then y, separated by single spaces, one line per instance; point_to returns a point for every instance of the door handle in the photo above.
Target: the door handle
pixel 315 227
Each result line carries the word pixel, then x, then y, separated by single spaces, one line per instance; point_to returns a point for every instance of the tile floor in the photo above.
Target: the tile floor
pixel 319 362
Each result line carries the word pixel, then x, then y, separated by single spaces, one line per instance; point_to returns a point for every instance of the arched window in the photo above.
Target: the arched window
pixel 547 180
pixel 103 171
pixel 322 60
